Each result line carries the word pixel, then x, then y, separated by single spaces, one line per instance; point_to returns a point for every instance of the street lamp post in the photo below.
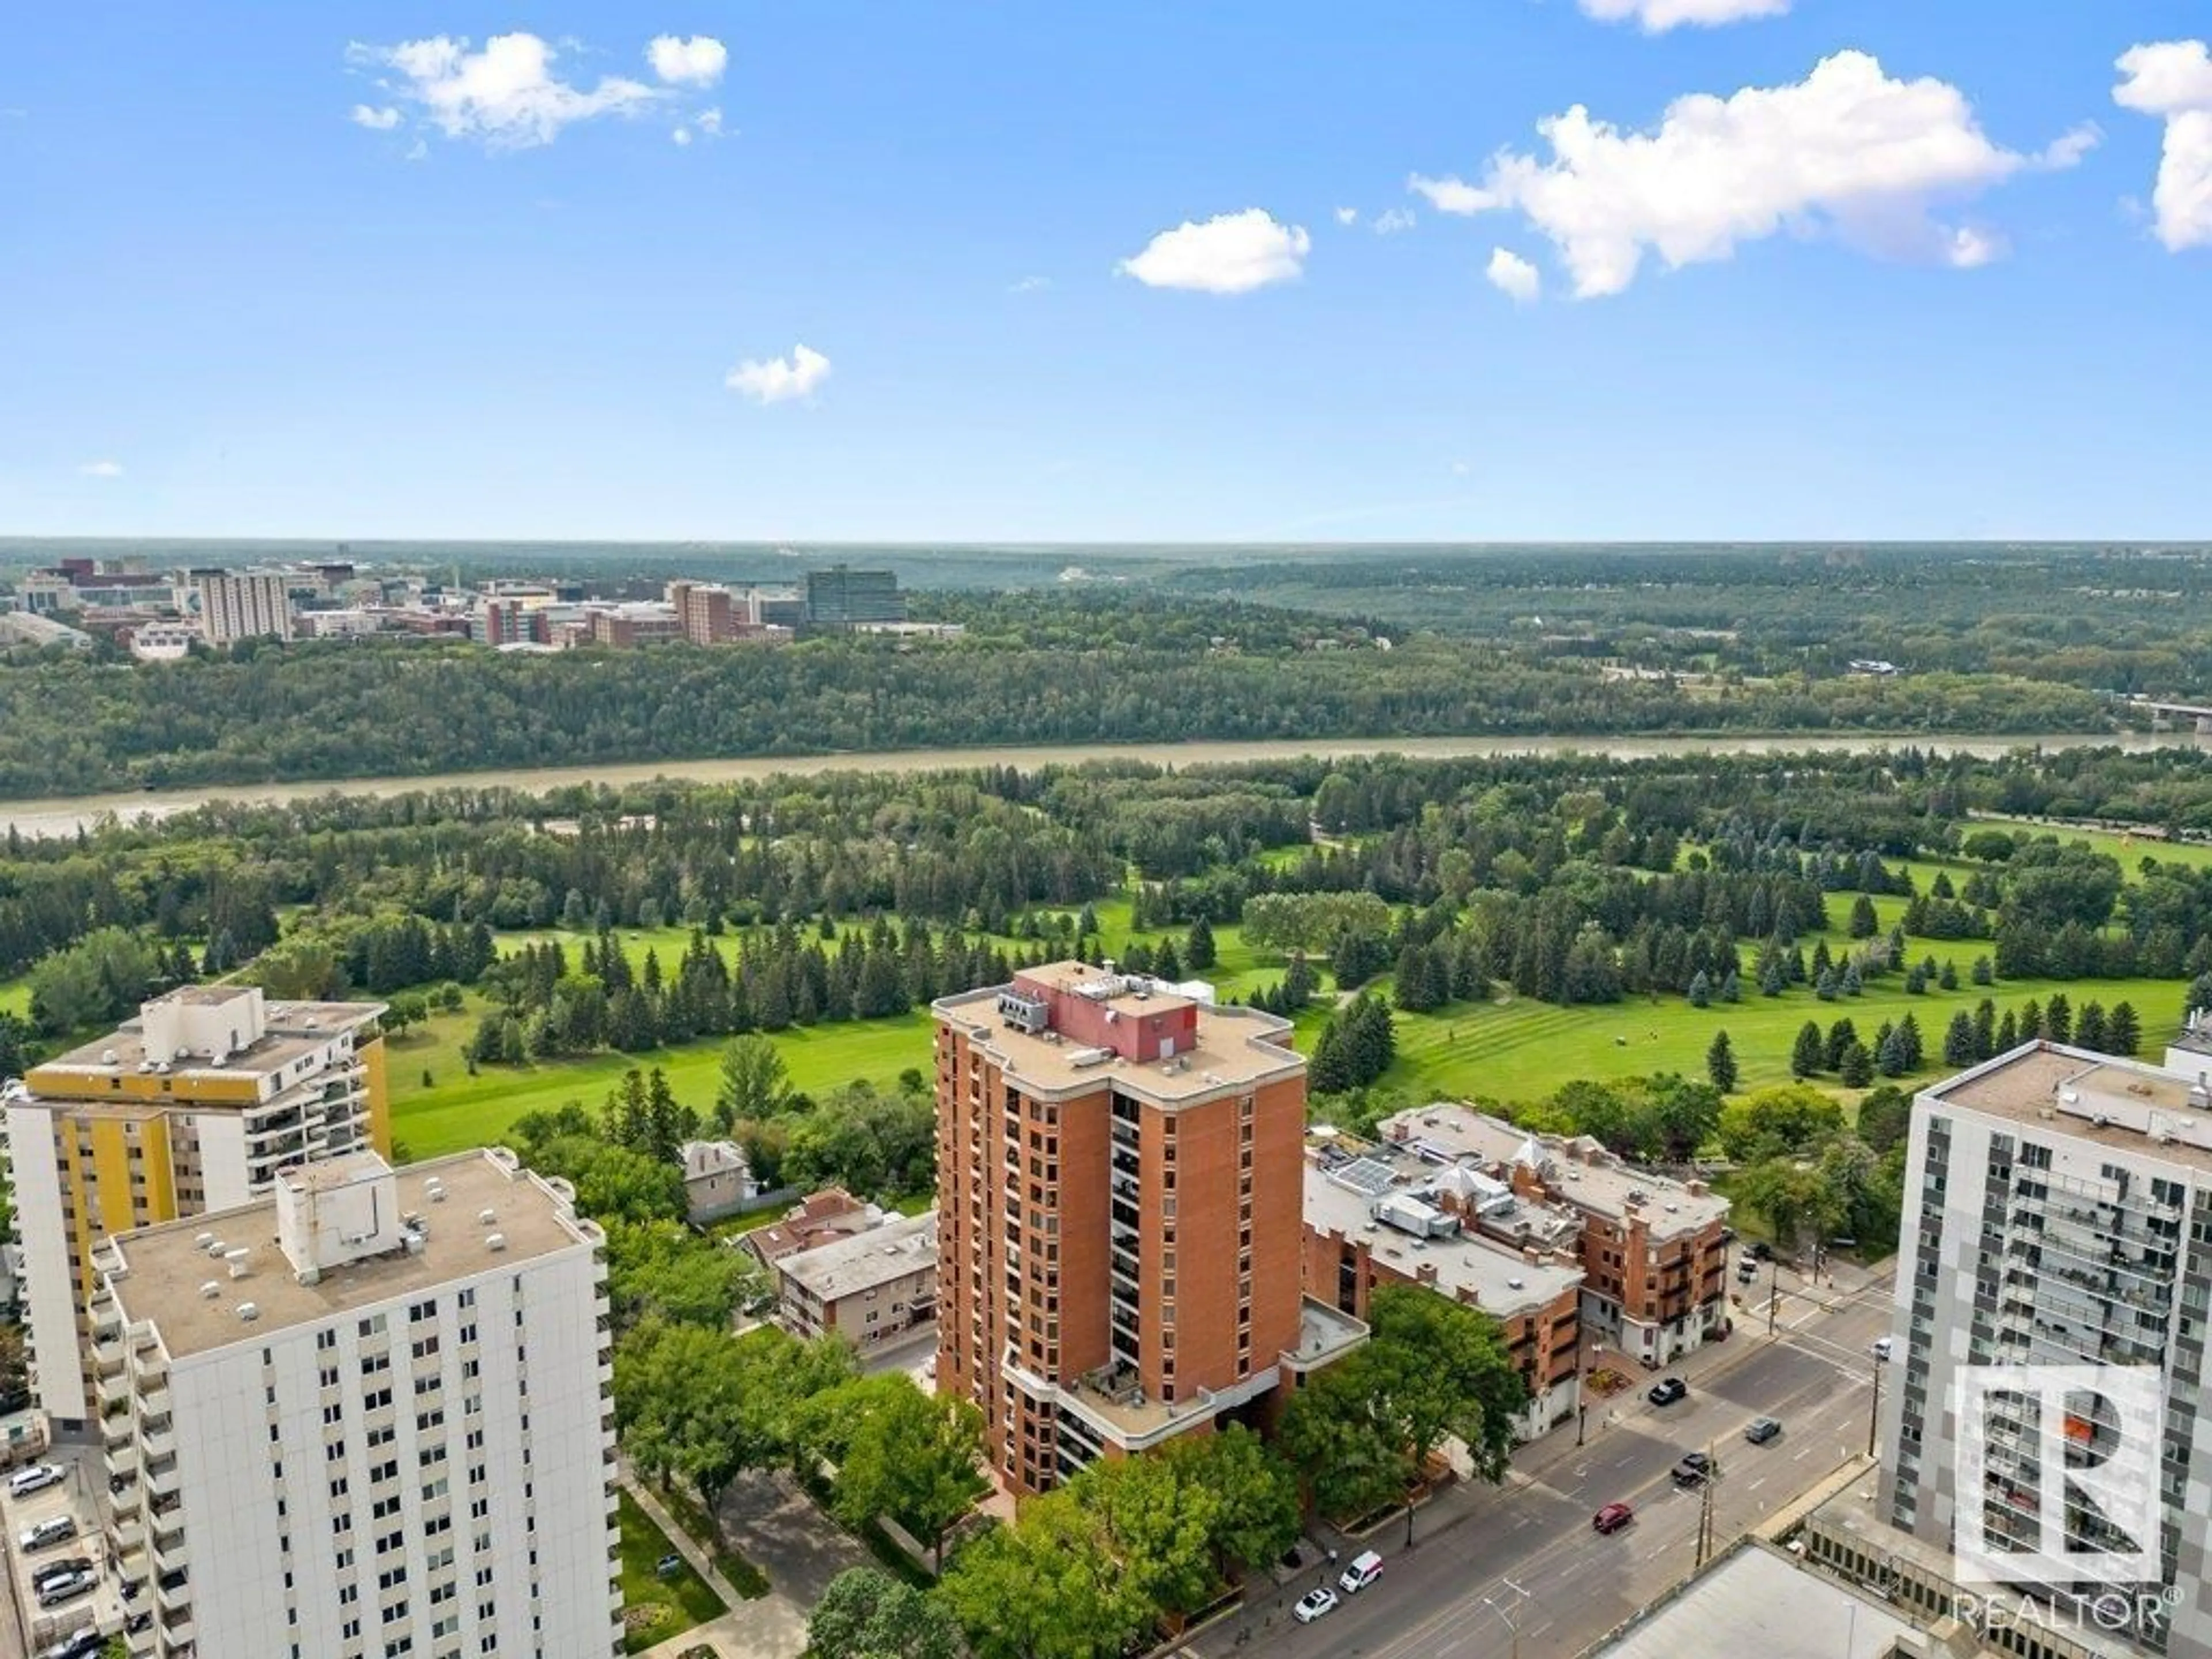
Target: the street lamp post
pixel 1511 1623
pixel 1773 1290
pixel 1873 1412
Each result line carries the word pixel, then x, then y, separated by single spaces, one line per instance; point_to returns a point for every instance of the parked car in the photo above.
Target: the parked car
pixel 1694 1467
pixel 59 1590
pixel 1313 1604
pixel 54 1570
pixel 1761 1250
pixel 1760 1430
pixel 669 1566
pixel 78 1644
pixel 54 1529
pixel 1611 1518
pixel 1746 1269
pixel 1366 1567
pixel 1667 1389
pixel 37 1478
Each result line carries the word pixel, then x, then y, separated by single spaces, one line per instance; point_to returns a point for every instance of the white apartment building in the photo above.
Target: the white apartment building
pixel 249 604
pixel 2057 1213
pixel 365 1416
pixel 193 1106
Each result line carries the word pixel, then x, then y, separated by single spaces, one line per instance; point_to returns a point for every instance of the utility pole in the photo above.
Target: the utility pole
pixel 1774 1292
pixel 1874 1415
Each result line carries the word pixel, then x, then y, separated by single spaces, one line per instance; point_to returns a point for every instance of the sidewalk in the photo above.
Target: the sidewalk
pixel 774 1626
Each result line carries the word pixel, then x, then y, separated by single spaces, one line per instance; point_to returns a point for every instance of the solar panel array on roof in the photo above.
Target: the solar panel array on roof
pixel 1368 1176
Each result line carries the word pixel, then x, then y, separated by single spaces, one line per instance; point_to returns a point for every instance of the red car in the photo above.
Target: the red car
pixel 1612 1517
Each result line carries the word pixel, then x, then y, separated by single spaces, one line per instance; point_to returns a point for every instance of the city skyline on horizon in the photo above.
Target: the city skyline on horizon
pixel 1576 272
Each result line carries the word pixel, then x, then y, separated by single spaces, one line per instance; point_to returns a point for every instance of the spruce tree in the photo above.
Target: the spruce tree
pixel 1910 1043
pixel 1856 1068
pixel 1949 979
pixel 1959 1040
pixel 1720 1062
pixel 1841 1035
pixel 1809 1055
pixel 2089 1031
pixel 2123 1030
pixel 1985 1029
pixel 1731 987
pixel 1889 1056
pixel 1984 973
pixel 2058 1018
pixel 1864 923
pixel 1198 949
pixel 2007 1037
pixel 2031 1021
pixel 1853 984
pixel 1701 990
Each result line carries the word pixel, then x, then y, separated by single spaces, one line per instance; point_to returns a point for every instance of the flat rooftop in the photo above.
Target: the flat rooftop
pixel 1755 1603
pixel 293 1031
pixel 1468 1267
pixel 166 1269
pixel 1237 1048
pixel 1852 1513
pixel 2123 1104
pixel 1577 1170
pixel 846 1267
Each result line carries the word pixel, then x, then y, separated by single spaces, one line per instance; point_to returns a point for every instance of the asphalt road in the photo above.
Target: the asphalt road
pixel 1487 1560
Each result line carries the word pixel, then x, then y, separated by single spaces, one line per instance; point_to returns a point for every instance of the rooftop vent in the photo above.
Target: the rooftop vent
pixel 201 1241
pixel 108 1056
pixel 495 1242
pixel 248 1312
pixel 1516 1283
pixel 209 1290
pixel 487 1216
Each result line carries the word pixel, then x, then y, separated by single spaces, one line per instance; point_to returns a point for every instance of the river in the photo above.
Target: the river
pixel 66 815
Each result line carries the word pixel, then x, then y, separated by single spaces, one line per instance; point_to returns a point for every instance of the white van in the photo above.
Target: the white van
pixel 1363 1571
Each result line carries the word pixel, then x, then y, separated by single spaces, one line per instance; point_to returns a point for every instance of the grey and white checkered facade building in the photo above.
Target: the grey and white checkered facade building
pixel 2057 1213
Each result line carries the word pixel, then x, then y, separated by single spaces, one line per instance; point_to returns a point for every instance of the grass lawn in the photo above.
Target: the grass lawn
pixel 2130 850
pixel 1521 1050
pixel 681 1603
pixel 458 1111
pixel 16 996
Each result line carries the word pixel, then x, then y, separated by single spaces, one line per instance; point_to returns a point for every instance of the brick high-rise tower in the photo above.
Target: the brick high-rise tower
pixel 1119 1192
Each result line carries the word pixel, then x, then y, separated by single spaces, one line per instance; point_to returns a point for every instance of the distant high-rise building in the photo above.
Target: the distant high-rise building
pixel 252 604
pixel 840 596
pixel 193 1106
pixel 366 1415
pixel 1120 1174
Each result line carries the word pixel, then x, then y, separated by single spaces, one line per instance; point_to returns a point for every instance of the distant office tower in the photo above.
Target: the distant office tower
pixel 252 605
pixel 1120 1189
pixel 840 596
pixel 193 1106
pixel 367 1415
pixel 2057 1213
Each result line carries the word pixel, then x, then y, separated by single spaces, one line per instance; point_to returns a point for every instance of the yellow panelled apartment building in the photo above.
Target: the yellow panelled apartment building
pixel 192 1107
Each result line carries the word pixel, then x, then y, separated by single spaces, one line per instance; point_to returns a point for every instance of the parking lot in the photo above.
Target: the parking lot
pixel 73 1496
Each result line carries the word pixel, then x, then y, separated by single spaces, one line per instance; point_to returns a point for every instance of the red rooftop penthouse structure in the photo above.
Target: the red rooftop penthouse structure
pixel 1120 1172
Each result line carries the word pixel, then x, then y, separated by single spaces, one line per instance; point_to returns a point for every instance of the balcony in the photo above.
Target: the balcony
pixel 157 1438
pixel 161 1478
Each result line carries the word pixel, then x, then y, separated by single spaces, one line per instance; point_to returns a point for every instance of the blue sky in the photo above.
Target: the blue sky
pixel 1918 297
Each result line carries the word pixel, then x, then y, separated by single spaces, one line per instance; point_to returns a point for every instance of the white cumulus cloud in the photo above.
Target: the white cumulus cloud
pixel 2172 80
pixel 1390 221
pixel 101 469
pixel 681 136
pixel 1513 276
pixel 710 123
pixel 779 380
pixel 506 95
pixel 1849 151
pixel 1230 253
pixel 1347 216
pixel 698 61
pixel 376 119
pixel 1657 16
